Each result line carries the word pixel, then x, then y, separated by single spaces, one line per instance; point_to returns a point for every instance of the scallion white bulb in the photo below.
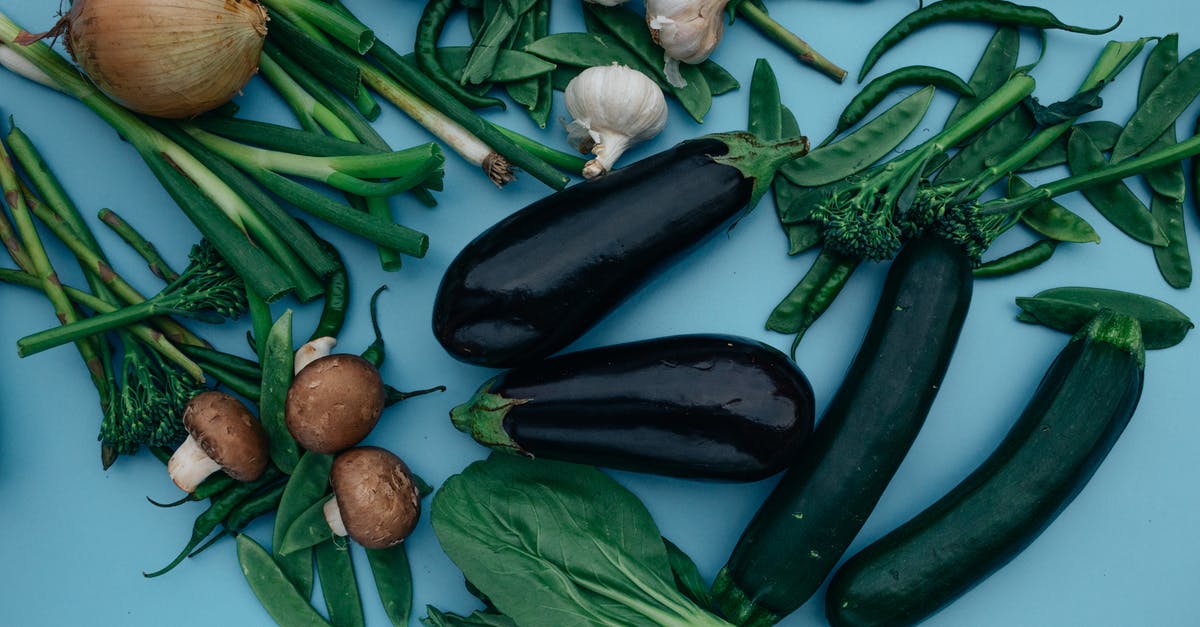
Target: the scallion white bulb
pixel 687 30
pixel 613 107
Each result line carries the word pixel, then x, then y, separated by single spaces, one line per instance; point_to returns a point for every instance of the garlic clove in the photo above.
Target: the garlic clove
pixel 613 107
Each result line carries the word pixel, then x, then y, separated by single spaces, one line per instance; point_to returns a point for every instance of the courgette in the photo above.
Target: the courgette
pixel 1076 415
pixel 801 531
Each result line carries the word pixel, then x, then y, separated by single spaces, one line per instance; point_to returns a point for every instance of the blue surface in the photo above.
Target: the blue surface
pixel 1124 553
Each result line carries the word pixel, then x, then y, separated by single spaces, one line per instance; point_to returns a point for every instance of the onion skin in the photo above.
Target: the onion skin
pixel 167 59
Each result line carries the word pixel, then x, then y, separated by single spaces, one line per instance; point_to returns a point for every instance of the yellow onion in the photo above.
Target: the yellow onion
pixel 166 58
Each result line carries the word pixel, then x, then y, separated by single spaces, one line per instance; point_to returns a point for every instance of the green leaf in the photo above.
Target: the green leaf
pixel 687 575
pixel 438 618
pixel 584 543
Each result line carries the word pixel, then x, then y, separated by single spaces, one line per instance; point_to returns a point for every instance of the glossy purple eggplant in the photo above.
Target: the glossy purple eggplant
pixel 530 285
pixel 700 406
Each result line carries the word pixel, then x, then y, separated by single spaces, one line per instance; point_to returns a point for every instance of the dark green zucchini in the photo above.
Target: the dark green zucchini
pixel 808 521
pixel 699 406
pixel 1073 420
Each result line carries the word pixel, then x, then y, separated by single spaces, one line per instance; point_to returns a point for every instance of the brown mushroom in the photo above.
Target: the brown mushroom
pixel 334 402
pixel 222 435
pixel 375 500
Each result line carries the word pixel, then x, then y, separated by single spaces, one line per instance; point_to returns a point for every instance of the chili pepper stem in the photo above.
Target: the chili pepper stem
pixel 790 41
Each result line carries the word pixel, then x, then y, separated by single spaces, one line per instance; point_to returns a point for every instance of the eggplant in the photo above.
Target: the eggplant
pixel 537 280
pixel 696 406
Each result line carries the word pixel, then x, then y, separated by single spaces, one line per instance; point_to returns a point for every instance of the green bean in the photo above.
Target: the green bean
pixel 1161 108
pixel 880 88
pixel 338 585
pixel 393 580
pixel 629 28
pixel 998 62
pixel 429 31
pixel 1069 309
pixel 1029 257
pixel 858 150
pixel 1114 200
pixel 812 296
pixel 307 530
pixel 1102 132
pixel 999 12
pixel 277 376
pixel 1051 219
pixel 274 591
pixel 1001 138
pixel 217 511
pixel 765 111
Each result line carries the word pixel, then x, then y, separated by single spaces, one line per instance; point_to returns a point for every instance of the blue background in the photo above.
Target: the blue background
pixel 76 538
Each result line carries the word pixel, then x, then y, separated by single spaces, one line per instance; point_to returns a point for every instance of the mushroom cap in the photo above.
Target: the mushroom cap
pixel 228 433
pixel 334 402
pixel 377 496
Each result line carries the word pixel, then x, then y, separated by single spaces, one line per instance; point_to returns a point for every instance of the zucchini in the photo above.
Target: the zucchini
pixel 1076 415
pixel 537 280
pixel 699 406
pixel 808 521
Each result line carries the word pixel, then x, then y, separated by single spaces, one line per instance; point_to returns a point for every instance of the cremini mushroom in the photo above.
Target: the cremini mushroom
pixel 375 500
pixel 334 402
pixel 222 435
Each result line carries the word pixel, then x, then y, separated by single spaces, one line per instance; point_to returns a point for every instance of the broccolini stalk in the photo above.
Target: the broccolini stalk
pixel 208 289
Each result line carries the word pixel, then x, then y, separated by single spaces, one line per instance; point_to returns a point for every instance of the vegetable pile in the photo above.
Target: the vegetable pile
pixel 289 444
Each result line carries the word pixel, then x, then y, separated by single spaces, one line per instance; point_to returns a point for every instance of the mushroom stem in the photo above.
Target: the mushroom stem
pixel 333 516
pixel 189 465
pixel 313 351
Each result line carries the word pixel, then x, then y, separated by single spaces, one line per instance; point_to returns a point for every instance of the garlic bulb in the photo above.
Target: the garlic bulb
pixel 166 59
pixel 607 3
pixel 687 30
pixel 614 107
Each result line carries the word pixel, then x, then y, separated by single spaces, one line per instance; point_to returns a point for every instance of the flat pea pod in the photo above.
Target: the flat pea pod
pixel 586 50
pixel 629 28
pixel 307 530
pixel 1102 132
pixel 880 88
pixel 393 580
pixel 812 296
pixel 272 588
pixel 1163 58
pixel 1114 201
pixel 260 320
pixel 765 111
pixel 429 31
pixel 794 204
pixel 1001 138
pixel 998 62
pixel 307 485
pixel 1173 260
pixel 1051 219
pixel 1161 108
pixel 511 65
pixel 496 32
pixel 277 377
pixel 998 12
pixel 719 80
pixel 1069 309
pixel 1029 257
pixel 218 510
pixel 335 569
pixel 861 148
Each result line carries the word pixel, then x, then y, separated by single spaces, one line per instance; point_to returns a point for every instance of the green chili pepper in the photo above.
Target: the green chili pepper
pixel 374 353
pixel 999 12
pixel 274 591
pixel 393 580
pixel 1029 257
pixel 880 88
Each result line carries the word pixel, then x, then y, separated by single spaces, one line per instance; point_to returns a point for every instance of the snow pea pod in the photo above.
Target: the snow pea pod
pixel 1001 138
pixel 1069 309
pixel 880 88
pixel 858 150
pixel 586 50
pixel 813 295
pixel 794 204
pixel 1173 260
pixel 307 530
pixel 997 63
pixel 1031 256
pixel 307 485
pixel 1161 108
pixel 338 585
pixel 765 111
pixel 1102 132
pixel 1051 219
pixel 277 377
pixel 429 31
pixel 274 591
pixel 999 12
pixel 1114 200
pixel 393 580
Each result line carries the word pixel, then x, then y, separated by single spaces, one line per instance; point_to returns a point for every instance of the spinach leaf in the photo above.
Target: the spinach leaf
pixel 586 545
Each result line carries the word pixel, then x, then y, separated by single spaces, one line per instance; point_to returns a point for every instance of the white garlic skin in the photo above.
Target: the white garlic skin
pixel 613 107
pixel 687 30
pixel 607 3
